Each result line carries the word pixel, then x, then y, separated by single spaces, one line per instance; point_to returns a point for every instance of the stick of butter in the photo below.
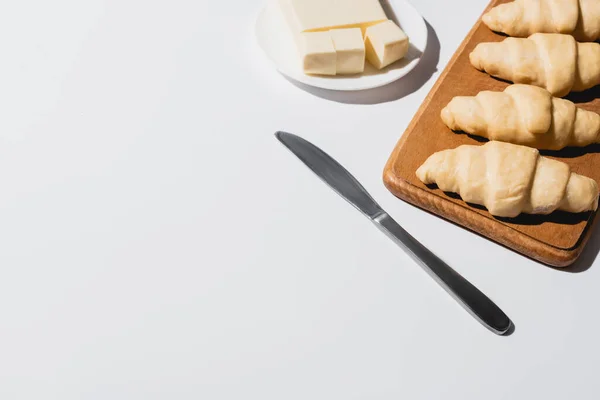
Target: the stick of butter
pixel 318 53
pixel 324 15
pixel 350 49
pixel 385 43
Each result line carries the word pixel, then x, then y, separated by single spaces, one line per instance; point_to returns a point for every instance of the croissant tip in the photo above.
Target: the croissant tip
pixel 487 19
pixel 474 57
pixel 447 117
pixel 420 172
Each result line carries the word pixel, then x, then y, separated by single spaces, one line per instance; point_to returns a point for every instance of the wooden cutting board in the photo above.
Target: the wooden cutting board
pixel 556 239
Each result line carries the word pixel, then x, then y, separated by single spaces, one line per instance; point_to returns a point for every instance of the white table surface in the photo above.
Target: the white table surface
pixel 159 243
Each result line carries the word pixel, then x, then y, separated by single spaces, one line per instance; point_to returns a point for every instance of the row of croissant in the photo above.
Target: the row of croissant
pixel 507 175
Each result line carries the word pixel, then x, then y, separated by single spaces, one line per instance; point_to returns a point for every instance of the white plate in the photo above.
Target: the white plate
pixel 277 42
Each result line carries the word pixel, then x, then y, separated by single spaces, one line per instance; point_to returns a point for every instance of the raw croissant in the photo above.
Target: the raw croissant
pixel 521 18
pixel 509 180
pixel 523 114
pixel 549 60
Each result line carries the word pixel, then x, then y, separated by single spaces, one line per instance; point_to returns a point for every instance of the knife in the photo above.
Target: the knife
pixel 342 182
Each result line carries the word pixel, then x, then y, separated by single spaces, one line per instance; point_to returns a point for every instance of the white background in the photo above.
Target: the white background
pixel 157 242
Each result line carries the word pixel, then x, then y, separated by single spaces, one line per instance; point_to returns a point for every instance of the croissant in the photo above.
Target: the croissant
pixel 549 60
pixel 509 180
pixel 521 18
pixel 523 114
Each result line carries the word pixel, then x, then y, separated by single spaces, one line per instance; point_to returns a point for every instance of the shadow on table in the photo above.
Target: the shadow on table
pixel 412 82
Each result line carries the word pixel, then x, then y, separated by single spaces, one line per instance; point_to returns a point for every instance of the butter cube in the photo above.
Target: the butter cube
pixel 317 53
pixel 385 43
pixel 323 15
pixel 350 49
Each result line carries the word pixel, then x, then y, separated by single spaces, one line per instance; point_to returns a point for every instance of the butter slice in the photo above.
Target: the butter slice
pixel 385 43
pixel 318 53
pixel 324 15
pixel 350 49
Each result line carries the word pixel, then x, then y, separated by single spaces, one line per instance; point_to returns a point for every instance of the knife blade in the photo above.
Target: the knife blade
pixel 341 181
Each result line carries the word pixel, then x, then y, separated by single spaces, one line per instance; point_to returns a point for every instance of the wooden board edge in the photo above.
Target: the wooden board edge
pixel 471 220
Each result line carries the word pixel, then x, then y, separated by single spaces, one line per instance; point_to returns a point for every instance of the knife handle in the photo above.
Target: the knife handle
pixel 471 298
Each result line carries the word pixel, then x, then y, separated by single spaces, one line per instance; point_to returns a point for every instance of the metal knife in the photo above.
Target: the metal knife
pixel 341 181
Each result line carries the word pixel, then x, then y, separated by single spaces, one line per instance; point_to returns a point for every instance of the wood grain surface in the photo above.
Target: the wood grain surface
pixel 556 239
